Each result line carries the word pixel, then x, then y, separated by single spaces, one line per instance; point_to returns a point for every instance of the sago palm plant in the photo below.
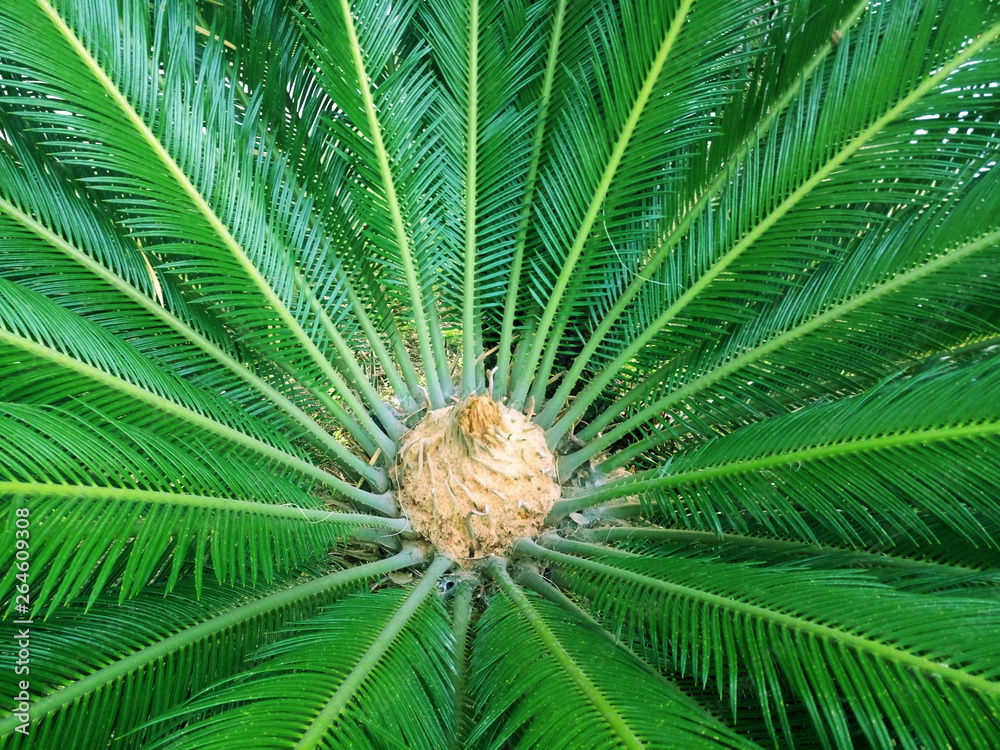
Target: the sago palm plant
pixel 500 373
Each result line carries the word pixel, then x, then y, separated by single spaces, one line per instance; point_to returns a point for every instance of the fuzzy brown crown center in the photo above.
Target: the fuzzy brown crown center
pixel 475 477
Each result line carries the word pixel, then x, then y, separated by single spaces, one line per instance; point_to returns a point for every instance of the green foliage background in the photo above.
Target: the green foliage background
pixel 738 259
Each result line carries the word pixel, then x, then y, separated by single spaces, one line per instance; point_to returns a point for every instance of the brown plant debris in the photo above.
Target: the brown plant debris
pixel 475 477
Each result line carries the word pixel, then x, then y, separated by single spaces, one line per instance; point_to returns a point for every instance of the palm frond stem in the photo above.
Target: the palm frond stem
pixel 407 389
pixel 626 736
pixel 502 377
pixel 542 377
pixel 555 298
pixel 344 419
pixel 294 512
pixel 393 427
pixel 960 350
pixel 530 577
pixel 565 552
pixel 691 536
pixel 313 736
pixel 381 502
pixel 392 542
pixel 440 353
pixel 461 617
pixel 549 414
pixel 614 511
pixel 519 364
pixel 424 331
pixel 470 321
pixel 411 555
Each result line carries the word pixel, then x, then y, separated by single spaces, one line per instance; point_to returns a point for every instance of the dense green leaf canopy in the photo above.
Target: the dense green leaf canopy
pixel 738 261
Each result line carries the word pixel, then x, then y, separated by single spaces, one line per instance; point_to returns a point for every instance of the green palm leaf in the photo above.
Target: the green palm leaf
pixel 483 374
pixel 851 455
pixel 153 651
pixel 169 502
pixel 567 688
pixel 361 690
pixel 896 659
pixel 74 235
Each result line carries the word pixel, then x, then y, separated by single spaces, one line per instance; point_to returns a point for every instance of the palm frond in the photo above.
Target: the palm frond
pixel 463 703
pixel 306 688
pixel 573 203
pixel 352 48
pixel 566 688
pixel 840 644
pixel 727 142
pixel 147 656
pixel 52 234
pixel 932 451
pixel 100 491
pixel 711 302
pixel 660 540
pixel 196 207
pixel 77 356
pixel 950 567
pixel 483 57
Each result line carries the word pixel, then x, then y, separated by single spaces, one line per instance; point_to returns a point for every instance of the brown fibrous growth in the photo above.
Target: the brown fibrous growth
pixel 475 477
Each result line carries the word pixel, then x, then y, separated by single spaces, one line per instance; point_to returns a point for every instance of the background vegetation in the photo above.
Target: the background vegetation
pixel 737 259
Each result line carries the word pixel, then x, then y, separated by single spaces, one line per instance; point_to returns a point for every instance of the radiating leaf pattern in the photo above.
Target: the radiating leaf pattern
pixel 738 261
